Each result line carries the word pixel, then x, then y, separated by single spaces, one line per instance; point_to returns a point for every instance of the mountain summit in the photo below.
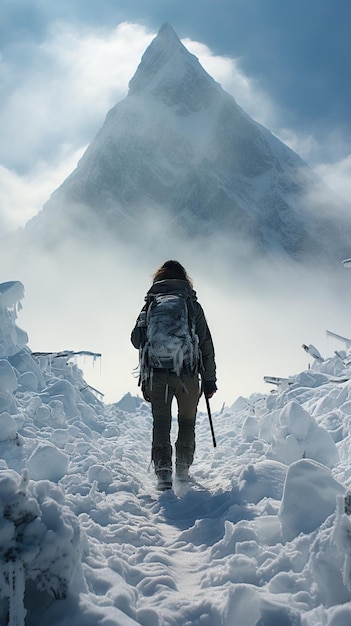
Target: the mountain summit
pixel 178 155
pixel 170 74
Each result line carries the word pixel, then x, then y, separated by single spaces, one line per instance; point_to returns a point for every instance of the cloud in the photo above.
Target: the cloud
pixel 65 89
pixel 22 197
pixel 322 151
pixel 245 90
pixel 84 299
pixel 324 158
pixel 337 176
pixel 55 104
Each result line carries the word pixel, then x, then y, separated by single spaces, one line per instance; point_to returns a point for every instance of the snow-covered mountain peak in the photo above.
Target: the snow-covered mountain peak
pixel 179 150
pixel 170 73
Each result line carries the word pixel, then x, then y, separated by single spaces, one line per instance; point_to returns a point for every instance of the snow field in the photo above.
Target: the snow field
pixel 259 537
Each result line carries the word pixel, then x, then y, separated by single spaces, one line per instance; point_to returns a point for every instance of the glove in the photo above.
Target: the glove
pixel 146 392
pixel 209 387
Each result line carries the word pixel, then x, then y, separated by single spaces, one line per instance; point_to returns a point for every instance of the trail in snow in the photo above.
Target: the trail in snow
pixel 259 538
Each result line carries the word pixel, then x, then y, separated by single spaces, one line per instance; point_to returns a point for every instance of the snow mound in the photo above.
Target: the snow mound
pixel 309 497
pixel 39 539
pixel 47 462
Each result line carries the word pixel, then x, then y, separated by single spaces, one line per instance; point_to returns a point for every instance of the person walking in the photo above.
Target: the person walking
pixel 175 350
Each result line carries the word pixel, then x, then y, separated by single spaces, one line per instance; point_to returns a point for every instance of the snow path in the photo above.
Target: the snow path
pixel 151 545
pixel 179 561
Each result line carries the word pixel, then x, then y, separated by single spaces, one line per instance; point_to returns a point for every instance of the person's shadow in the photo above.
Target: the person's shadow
pixel 200 514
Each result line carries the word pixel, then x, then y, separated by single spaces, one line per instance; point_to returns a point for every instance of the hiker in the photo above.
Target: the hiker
pixel 175 349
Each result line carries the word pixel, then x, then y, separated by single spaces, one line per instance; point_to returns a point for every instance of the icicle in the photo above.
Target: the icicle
pixel 95 358
pixel 17 612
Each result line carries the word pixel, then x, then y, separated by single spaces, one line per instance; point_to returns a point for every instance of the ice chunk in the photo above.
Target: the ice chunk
pixel 296 419
pixel 262 479
pixel 11 293
pixel 28 381
pixel 23 362
pixel 250 428
pixel 47 462
pixel 101 475
pixel 8 426
pixel 309 497
pixel 8 380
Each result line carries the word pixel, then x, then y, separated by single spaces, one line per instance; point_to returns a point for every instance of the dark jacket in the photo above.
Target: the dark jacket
pixel 201 327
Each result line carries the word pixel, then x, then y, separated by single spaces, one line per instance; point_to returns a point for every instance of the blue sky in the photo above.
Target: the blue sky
pixel 64 64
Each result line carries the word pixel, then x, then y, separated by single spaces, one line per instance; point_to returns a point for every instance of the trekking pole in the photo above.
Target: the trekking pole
pixel 210 420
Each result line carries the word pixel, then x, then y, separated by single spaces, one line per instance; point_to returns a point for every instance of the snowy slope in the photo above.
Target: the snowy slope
pixel 259 537
pixel 179 151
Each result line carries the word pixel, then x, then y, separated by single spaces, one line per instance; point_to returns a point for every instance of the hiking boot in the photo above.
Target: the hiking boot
pixel 164 478
pixel 162 459
pixel 184 459
pixel 182 473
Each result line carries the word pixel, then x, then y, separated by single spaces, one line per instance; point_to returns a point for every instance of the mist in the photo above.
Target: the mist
pixel 84 295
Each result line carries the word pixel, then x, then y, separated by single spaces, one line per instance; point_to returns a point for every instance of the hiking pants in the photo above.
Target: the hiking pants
pixel 166 386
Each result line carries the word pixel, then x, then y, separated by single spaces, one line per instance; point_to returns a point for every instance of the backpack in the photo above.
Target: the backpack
pixel 171 342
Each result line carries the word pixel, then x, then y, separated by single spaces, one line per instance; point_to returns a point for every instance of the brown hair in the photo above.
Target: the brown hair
pixel 171 269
